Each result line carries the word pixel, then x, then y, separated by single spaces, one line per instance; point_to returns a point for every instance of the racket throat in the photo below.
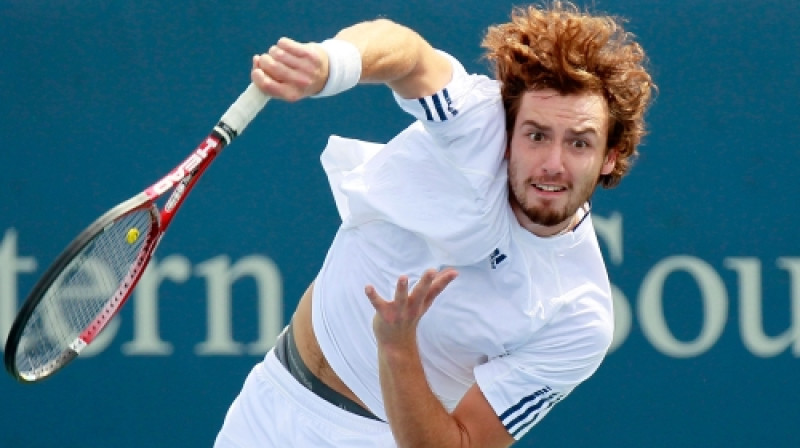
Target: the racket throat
pixel 177 194
pixel 74 349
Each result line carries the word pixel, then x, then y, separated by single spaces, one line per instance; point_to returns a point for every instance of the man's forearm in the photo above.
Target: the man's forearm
pixel 416 416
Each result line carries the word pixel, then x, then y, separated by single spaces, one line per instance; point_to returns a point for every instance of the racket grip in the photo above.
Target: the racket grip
pixel 244 109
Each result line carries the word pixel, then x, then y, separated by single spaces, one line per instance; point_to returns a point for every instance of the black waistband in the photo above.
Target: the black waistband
pixel 287 354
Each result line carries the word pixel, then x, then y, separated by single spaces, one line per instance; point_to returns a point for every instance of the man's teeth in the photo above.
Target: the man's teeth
pixel 549 187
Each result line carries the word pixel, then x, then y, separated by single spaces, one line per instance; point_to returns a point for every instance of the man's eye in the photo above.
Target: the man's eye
pixel 580 144
pixel 536 136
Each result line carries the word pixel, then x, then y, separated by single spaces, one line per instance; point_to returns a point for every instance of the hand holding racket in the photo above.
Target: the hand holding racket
pixel 92 278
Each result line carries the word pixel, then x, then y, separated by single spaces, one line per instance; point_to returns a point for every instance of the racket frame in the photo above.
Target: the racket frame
pixel 52 274
pixel 180 181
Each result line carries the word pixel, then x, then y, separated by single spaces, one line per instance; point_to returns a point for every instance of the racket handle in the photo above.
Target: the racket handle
pixel 244 109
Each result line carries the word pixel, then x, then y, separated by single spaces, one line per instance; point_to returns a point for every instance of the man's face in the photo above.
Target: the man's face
pixel 556 154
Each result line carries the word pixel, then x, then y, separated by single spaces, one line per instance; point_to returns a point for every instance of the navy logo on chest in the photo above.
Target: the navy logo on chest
pixel 496 257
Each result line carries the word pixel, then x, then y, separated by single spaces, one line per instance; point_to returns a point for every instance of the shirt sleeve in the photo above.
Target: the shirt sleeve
pixel 524 385
pixel 442 178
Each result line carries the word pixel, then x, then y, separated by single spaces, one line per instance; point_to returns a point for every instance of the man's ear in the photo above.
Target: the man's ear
pixel 610 162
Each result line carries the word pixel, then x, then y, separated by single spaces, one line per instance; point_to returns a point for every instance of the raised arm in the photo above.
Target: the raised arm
pixel 416 416
pixel 390 53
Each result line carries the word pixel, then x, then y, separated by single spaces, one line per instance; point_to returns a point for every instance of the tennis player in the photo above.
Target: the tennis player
pixel 464 294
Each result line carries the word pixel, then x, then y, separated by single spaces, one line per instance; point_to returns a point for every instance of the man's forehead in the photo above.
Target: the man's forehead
pixel 583 110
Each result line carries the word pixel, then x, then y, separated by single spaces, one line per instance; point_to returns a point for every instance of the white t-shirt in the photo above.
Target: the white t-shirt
pixel 528 318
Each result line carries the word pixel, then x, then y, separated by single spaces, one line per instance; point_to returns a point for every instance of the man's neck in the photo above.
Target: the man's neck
pixel 549 231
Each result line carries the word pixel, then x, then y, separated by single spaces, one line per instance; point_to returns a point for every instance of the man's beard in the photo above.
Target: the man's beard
pixel 548 216
pixel 545 216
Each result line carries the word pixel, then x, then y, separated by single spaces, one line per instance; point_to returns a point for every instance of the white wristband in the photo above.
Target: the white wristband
pixel 344 67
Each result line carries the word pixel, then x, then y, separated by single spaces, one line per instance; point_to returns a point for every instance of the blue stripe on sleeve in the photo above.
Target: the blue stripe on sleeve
pixel 449 102
pixel 538 411
pixel 439 110
pixel 522 402
pixel 528 411
pixel 428 114
pixel 439 102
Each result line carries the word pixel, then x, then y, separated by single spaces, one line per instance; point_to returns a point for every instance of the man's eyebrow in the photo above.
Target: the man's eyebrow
pixel 533 123
pixel 584 131
pixel 577 131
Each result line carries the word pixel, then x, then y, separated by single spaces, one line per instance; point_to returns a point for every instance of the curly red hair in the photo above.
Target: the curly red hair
pixel 563 49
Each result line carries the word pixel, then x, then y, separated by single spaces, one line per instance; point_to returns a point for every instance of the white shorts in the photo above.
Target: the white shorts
pixel 273 410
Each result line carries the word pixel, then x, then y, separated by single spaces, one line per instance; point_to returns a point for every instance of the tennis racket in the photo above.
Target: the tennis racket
pixel 93 277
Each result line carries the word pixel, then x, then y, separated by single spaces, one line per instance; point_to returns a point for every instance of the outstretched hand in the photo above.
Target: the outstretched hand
pixel 395 322
pixel 290 70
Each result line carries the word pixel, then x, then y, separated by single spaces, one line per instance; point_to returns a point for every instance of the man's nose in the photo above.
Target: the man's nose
pixel 553 162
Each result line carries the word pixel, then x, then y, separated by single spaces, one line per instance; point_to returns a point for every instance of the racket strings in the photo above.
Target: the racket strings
pixel 96 276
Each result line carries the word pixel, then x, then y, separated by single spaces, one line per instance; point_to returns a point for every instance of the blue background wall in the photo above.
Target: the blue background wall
pixel 99 98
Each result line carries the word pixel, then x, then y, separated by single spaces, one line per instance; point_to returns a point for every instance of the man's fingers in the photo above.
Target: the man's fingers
pixel 303 62
pixel 430 285
pixel 440 282
pixel 373 296
pixel 274 88
pixel 433 281
pixel 283 73
pixel 424 283
pixel 286 70
pixel 401 290
pixel 297 49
